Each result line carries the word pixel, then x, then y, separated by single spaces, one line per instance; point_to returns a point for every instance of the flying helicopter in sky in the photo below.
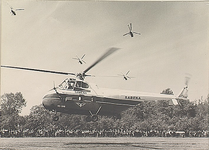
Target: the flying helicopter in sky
pixel 13 11
pixel 80 60
pixel 130 31
pixel 125 76
pixel 76 96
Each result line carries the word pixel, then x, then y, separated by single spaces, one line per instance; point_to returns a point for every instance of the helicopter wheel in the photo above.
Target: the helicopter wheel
pixel 55 118
pixel 88 119
pixel 94 118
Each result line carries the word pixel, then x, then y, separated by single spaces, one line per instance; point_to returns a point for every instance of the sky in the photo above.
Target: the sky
pixel 48 34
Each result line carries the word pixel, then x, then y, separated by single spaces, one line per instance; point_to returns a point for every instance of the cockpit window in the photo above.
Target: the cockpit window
pixel 73 84
pixel 70 84
pixel 67 84
pixel 81 84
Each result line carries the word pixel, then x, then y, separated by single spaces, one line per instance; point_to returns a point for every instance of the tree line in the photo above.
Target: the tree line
pixel 156 117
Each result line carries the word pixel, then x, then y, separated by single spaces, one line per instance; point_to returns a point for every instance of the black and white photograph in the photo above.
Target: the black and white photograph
pixel 104 75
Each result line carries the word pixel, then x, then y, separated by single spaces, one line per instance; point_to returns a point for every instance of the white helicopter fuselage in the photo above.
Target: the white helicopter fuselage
pixel 99 101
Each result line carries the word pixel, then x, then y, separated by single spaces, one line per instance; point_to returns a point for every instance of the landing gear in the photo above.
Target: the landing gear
pixel 88 119
pixel 93 117
pixel 55 118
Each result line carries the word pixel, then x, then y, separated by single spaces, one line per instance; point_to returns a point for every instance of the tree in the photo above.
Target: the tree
pixel 167 91
pixel 38 118
pixel 11 106
pixel 12 103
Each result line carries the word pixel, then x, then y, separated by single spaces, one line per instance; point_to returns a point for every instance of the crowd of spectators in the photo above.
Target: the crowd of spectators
pixel 100 133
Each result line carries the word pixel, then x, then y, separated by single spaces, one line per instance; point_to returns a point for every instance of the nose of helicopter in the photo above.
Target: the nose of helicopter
pixel 50 100
pixel 46 103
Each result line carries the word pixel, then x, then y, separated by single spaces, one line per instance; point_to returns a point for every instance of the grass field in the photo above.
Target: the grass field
pixel 103 143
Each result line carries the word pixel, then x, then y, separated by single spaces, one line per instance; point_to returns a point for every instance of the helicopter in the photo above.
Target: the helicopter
pixel 125 76
pixel 76 96
pixel 13 11
pixel 80 60
pixel 130 31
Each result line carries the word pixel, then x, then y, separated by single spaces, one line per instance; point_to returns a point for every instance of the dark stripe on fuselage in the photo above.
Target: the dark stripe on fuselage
pixel 118 101
pixel 94 98
pixel 82 104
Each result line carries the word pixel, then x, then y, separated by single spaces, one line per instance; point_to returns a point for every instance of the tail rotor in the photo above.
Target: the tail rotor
pixel 187 81
pixel 184 93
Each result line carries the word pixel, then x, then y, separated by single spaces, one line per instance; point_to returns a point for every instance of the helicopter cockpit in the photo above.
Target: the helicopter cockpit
pixel 73 84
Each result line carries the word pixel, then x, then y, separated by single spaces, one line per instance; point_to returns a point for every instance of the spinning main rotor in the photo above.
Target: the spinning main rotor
pixel 81 75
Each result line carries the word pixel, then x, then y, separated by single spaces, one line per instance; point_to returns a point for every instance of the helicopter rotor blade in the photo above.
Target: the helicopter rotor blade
pixel 127 73
pixel 187 81
pixel 128 77
pixel 83 61
pixel 129 28
pixel 137 33
pixel 83 56
pixel 106 54
pixel 18 9
pixel 187 78
pixel 126 34
pixel 39 70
